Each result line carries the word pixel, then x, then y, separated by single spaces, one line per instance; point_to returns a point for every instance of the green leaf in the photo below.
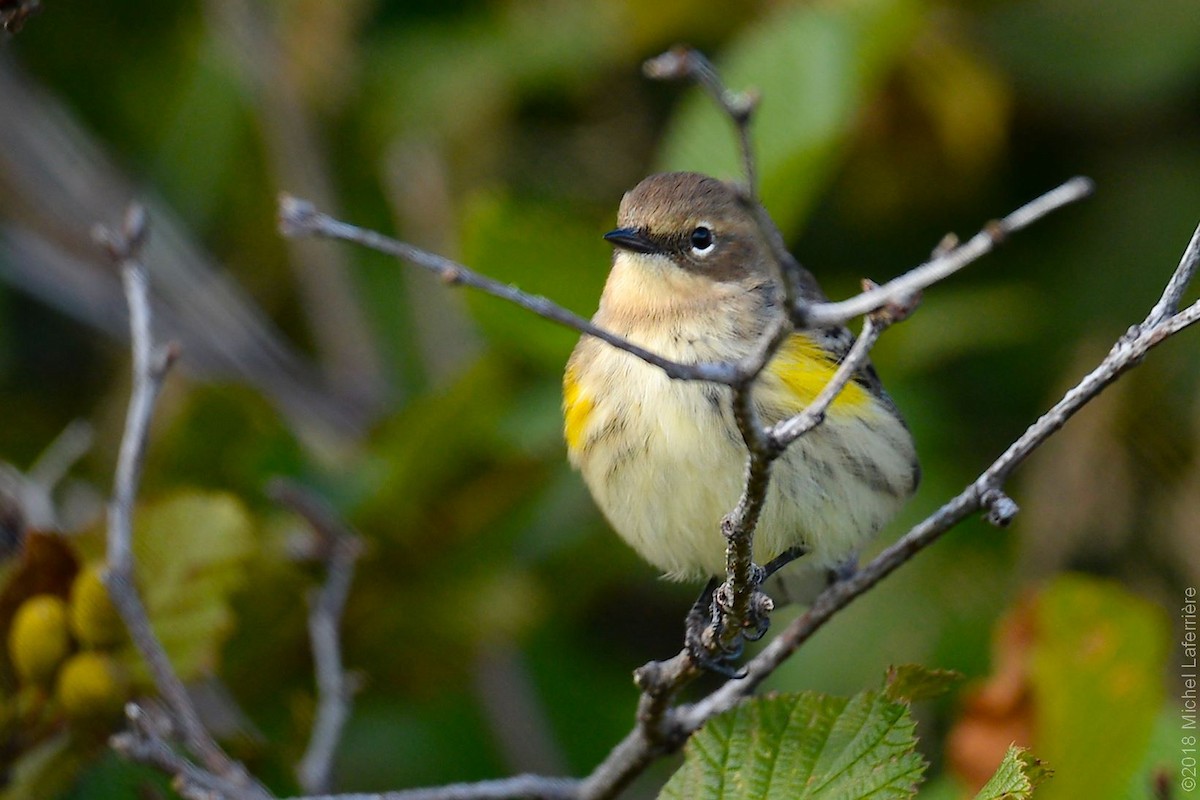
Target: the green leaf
pixel 1096 669
pixel 816 65
pixel 912 682
pixel 1016 777
pixel 1164 759
pixel 805 746
pixel 191 548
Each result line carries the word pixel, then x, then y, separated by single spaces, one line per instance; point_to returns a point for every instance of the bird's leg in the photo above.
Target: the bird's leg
pixel 786 557
pixel 704 632
pixel 761 605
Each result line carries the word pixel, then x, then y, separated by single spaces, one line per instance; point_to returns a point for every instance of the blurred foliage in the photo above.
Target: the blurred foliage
pixel 1078 676
pixel 504 133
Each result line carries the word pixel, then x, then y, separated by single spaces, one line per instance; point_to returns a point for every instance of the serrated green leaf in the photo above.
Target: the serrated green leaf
pixel 1016 777
pixel 190 549
pixel 815 66
pixel 912 682
pixel 805 746
pixel 1096 669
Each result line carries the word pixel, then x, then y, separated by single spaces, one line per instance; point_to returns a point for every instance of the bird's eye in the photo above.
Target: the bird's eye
pixel 702 241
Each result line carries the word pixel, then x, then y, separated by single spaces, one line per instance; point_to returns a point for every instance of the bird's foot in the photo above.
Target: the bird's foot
pixel 707 639
pixel 703 638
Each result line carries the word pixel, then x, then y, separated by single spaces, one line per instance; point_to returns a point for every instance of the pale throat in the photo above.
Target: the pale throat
pixel 649 289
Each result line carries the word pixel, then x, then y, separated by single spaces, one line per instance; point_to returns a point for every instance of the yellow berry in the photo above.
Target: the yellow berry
pixel 92 686
pixel 38 640
pixel 94 619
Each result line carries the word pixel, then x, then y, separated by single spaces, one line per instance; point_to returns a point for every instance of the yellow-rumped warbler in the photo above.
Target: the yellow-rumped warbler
pixel 693 281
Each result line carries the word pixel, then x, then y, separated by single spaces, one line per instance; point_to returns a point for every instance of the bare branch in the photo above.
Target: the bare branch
pixel 56 460
pixel 1173 294
pixel 150 365
pixel 147 742
pixel 682 63
pixel 528 787
pixel 914 281
pixel 338 547
pixel 299 218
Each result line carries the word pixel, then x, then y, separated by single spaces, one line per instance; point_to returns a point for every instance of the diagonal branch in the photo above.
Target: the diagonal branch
pixel 985 493
pixel 1173 294
pixel 944 265
pixel 299 217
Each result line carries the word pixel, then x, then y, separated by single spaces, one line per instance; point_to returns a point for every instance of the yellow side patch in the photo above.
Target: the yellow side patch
pixel 576 409
pixel 804 369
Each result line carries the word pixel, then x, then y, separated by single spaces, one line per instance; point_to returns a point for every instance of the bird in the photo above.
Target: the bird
pixel 693 280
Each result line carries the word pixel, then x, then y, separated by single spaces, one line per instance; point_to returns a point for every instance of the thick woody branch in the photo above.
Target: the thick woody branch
pixel 150 365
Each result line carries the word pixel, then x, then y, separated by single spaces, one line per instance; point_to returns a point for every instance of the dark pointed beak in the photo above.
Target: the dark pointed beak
pixel 631 239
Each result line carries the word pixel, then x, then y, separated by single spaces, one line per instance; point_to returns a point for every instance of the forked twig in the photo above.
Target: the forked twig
pixel 150 366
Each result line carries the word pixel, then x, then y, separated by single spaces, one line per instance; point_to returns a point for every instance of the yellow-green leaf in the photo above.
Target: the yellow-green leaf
pixel 191 548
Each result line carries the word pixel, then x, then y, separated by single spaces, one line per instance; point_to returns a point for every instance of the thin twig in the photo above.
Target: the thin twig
pixel 57 459
pixel 300 218
pixel 1173 294
pixel 682 63
pixel 146 742
pixel 913 282
pixel 150 365
pixel 527 787
pixel 338 547
pixel 789 430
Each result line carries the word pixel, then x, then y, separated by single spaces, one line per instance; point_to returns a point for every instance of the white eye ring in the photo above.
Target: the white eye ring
pixel 703 240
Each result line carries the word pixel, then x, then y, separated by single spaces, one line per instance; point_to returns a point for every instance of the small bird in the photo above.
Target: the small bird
pixel 693 280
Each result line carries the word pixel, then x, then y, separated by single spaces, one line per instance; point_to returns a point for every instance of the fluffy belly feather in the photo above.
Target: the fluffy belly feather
pixel 665 463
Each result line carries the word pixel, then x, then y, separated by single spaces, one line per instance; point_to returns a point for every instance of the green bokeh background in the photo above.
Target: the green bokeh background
pixel 495 618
